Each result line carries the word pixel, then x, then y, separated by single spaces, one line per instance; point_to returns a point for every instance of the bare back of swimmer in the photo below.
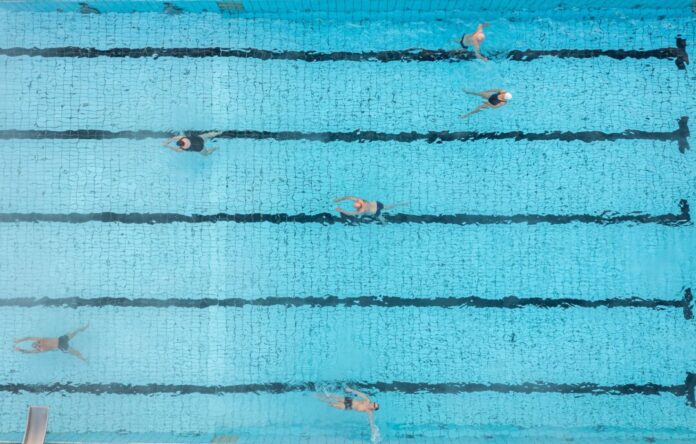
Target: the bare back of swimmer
pixel 475 39
pixel 364 207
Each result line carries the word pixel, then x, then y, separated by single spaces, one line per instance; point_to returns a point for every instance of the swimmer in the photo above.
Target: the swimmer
pixel 191 143
pixel 474 40
pixel 40 345
pixel 373 208
pixel 495 98
pixel 361 404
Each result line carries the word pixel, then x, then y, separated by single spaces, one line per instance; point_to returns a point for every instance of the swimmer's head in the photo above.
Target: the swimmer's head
pixel 180 143
pixel 375 406
pixel 36 345
pixel 358 204
pixel 507 95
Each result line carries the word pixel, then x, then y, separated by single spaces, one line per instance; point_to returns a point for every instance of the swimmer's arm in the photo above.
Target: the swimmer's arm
pixel 477 53
pixel 26 338
pixel 24 350
pixel 359 393
pixel 170 140
pixel 339 199
pixel 373 427
pixel 208 151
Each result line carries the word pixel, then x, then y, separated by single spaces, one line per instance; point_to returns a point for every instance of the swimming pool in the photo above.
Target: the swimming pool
pixel 535 289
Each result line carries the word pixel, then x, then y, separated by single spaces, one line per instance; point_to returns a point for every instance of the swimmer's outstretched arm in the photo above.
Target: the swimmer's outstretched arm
pixel 26 338
pixel 208 151
pixel 373 427
pixel 477 53
pixel 24 350
pixel 170 140
pixel 340 199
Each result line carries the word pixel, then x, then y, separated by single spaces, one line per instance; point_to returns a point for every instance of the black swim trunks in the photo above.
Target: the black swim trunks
pixel 494 99
pixel 348 403
pixel 380 207
pixel 196 143
pixel 64 343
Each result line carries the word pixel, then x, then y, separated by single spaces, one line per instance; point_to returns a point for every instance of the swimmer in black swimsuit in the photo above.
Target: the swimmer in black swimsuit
pixel 495 98
pixel 191 143
pixel 373 208
pixel 62 343
pixel 362 403
pixel 474 40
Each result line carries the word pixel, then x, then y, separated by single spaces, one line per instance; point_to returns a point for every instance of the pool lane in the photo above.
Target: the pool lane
pixel 425 415
pixel 426 29
pixel 499 178
pixel 261 260
pixel 132 94
pixel 278 349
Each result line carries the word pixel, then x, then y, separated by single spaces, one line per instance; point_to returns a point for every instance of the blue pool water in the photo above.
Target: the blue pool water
pixel 186 342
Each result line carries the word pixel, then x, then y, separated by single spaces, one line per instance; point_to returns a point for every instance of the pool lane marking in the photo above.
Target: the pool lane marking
pixel 606 218
pixel 680 135
pixel 452 388
pixel 508 302
pixel 677 53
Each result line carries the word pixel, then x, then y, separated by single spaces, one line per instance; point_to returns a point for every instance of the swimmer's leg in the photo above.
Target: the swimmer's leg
pixel 476 110
pixel 210 134
pixel 79 330
pixel 76 353
pixel 332 400
pixel 400 204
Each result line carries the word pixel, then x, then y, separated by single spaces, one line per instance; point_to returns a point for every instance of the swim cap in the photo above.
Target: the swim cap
pixel 507 96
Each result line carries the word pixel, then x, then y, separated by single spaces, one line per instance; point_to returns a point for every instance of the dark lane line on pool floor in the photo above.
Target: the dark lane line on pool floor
pixel 508 302
pixel 606 218
pixel 686 389
pixel 680 135
pixel 677 53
